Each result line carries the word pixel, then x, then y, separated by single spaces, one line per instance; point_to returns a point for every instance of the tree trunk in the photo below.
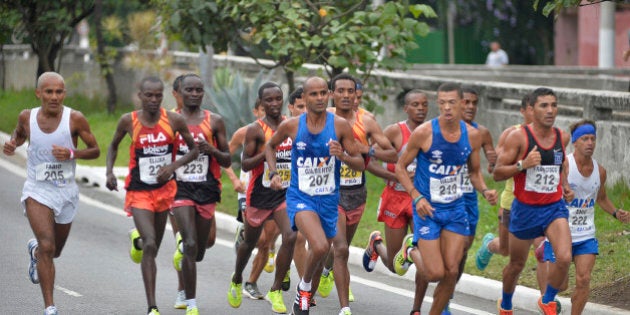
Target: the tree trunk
pixel 103 62
pixel 3 68
pixel 206 69
pixel 290 75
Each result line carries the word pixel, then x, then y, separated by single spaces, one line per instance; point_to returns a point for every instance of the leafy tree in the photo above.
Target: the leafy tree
pixel 47 25
pixel 341 35
pixel 558 5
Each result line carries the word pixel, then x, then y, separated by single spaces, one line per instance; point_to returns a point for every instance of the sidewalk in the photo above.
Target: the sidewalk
pixel 524 298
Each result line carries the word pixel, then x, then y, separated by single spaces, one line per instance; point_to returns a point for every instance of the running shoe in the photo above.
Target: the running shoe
pixel 313 303
pixel 482 258
pixel 270 266
pixel 286 282
pixel 558 306
pixel 345 311
pixel 180 300
pixel 302 305
pixel 32 266
pixel 277 302
pixel 235 294
pixel 179 253
pixel 370 256
pixel 51 310
pixel 154 311
pixel 192 311
pixel 240 236
pixel 550 308
pixel 135 252
pixel 402 260
pixel 447 309
pixel 350 295
pixel 251 290
pixel 326 284
pixel 539 252
pixel 502 311
pixel 415 313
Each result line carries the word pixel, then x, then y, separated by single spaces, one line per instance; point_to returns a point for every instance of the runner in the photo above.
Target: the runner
pixel 395 209
pixel 442 148
pixel 352 192
pixel 198 184
pixel 150 186
pixel 50 195
pixel 534 155
pixel 587 178
pixel 320 140
pixel 264 203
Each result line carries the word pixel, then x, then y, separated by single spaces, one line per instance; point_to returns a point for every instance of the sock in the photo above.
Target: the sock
pixel 506 302
pixel 409 254
pixel 191 303
pixel 325 272
pixel 305 286
pixel 550 294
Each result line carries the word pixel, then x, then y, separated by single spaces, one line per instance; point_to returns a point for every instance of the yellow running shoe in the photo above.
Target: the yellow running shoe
pixel 326 284
pixel 154 311
pixel 277 302
pixel 350 295
pixel 235 294
pixel 271 265
pixel 401 260
pixel 192 311
pixel 178 255
pixel 286 282
pixel 135 253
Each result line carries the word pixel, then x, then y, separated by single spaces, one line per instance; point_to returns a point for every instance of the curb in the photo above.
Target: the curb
pixel 524 298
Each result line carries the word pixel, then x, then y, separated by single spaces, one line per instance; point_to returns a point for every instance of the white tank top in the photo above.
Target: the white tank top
pixel 42 167
pixel 582 208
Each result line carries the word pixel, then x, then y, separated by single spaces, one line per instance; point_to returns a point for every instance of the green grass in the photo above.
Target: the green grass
pixel 613 240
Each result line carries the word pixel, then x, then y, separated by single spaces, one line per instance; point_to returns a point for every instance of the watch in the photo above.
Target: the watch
pixel 519 165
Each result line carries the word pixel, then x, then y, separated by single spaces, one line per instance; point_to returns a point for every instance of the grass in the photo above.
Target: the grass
pixel 613 239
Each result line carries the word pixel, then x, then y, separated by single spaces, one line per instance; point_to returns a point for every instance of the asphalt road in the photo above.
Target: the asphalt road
pixel 96 276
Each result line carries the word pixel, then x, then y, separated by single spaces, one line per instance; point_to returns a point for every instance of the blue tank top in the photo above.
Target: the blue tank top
pixel 470 195
pixel 314 172
pixel 438 171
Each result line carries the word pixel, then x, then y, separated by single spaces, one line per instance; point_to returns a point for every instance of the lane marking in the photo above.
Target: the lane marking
pixel 230 243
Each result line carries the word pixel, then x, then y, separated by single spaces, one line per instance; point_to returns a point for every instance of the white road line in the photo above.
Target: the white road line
pixel 230 243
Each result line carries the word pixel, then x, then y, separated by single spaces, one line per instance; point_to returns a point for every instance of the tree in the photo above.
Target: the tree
pixel 7 20
pixel 341 35
pixel 102 57
pixel 47 25
pixel 558 5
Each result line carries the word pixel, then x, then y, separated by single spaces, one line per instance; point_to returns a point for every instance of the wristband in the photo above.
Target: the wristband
pixel 71 154
pixel 614 214
pixel 272 174
pixel 371 152
pixel 415 201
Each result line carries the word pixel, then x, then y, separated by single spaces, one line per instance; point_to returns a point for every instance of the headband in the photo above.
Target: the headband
pixel 586 129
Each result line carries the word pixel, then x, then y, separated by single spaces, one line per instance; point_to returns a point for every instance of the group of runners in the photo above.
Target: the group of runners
pixel 303 178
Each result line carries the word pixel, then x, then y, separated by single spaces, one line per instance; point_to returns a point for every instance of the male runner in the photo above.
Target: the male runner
pixel 150 185
pixel 442 147
pixel 50 195
pixel 264 203
pixel 587 178
pixel 198 183
pixel 352 192
pixel 395 209
pixel 320 140
pixel 534 155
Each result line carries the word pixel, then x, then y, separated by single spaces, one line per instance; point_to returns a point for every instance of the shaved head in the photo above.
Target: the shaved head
pixel 313 81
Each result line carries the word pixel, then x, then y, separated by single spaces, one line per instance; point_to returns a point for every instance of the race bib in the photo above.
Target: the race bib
pixel 315 181
pixel 350 177
pixel 195 171
pixel 284 171
pixel 57 173
pixel 149 167
pixel 445 190
pixel 467 186
pixel 543 179
pixel 581 220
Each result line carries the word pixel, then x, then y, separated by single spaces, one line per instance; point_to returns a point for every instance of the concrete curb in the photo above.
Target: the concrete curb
pixel 524 298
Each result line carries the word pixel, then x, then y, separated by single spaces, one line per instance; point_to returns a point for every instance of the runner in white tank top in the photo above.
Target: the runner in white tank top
pixel 588 181
pixel 52 130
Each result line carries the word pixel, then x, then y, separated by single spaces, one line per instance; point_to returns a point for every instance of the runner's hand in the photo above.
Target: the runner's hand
pixel 9 147
pixel 568 193
pixel 491 196
pixel 424 208
pixel 533 158
pixel 112 182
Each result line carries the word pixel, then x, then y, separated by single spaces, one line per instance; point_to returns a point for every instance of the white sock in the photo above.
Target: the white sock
pixel 305 286
pixel 191 303
pixel 409 253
